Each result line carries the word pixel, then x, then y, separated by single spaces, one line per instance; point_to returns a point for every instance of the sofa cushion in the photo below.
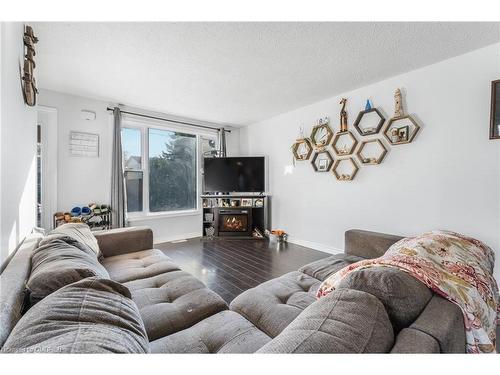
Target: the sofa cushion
pixel 410 340
pixel 124 240
pixel 225 332
pixel 138 265
pixel 173 301
pixel 13 294
pixel 403 296
pixel 273 305
pixel 79 232
pixel 345 321
pixel 90 316
pixel 60 261
pixel 444 321
pixel 323 268
pixel 368 244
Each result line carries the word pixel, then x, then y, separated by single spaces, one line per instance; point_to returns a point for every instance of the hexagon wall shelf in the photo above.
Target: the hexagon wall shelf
pixel 321 135
pixel 371 152
pixel 302 149
pixel 322 161
pixel 401 130
pixel 345 169
pixel 369 122
pixel 344 143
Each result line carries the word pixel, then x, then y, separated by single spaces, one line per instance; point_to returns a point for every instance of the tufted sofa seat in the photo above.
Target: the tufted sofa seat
pixel 169 300
pixel 138 265
pixel 173 301
pixel 225 332
pixel 274 304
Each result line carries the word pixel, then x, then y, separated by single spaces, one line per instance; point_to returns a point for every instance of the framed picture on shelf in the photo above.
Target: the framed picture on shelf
pixel 323 164
pixel 258 202
pixel 246 202
pixel 403 133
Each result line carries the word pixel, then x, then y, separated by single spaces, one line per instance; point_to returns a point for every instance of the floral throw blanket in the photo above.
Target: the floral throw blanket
pixel 455 266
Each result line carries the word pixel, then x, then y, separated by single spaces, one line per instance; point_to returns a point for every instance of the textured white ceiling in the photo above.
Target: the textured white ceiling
pixel 239 73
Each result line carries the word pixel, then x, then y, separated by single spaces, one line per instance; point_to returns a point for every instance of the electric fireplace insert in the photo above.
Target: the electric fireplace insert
pixel 234 222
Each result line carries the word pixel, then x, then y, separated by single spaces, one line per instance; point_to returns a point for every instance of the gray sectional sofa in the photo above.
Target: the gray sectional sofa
pixel 159 308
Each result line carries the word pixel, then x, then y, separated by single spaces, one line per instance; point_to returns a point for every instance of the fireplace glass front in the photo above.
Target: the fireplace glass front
pixel 233 223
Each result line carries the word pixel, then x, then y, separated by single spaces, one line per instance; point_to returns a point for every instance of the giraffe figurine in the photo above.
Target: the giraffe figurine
pixel 398 104
pixel 343 116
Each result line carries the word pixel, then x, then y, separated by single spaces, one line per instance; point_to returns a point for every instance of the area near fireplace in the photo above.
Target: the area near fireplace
pixel 236 216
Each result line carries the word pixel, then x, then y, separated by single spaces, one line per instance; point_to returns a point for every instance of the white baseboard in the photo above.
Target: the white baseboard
pixel 177 237
pixel 316 246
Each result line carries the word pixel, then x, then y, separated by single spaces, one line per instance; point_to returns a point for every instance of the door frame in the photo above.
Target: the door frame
pixel 47 117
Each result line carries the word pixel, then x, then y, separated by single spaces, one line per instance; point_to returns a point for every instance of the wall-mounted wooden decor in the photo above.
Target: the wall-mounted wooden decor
pixel 495 110
pixel 302 149
pixel 344 143
pixel 322 161
pixel 401 128
pixel 321 134
pixel 372 152
pixel 369 121
pixel 29 84
pixel 343 115
pixel 345 169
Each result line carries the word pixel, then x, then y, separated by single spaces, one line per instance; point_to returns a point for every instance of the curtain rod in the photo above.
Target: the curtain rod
pixel 167 120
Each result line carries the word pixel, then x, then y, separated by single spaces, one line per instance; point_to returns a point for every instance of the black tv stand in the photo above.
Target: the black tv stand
pixel 232 215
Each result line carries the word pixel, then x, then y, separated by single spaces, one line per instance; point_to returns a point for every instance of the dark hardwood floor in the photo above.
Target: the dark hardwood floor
pixel 231 266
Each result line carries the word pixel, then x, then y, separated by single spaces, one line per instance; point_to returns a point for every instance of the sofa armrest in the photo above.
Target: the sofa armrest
pixel 444 321
pixel 124 240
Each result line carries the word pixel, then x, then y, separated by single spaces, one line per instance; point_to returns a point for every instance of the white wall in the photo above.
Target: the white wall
pixel 83 180
pixel 18 145
pixel 448 178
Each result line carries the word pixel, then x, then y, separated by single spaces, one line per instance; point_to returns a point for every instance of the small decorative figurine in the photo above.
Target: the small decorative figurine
pixel 394 135
pixel 398 104
pixel 301 133
pixel 368 106
pixel 343 116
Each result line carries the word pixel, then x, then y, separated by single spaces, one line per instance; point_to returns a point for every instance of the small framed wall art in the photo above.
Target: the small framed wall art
pixel 84 144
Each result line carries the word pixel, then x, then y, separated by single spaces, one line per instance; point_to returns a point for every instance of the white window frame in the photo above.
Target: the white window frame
pixel 143 126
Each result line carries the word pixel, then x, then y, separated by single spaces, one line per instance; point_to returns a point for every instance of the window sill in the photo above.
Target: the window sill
pixel 162 215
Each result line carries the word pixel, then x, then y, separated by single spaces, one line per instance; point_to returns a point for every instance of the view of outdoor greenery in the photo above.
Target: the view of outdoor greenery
pixel 172 171
pixel 172 162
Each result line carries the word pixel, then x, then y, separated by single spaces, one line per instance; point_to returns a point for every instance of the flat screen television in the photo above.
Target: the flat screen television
pixel 235 174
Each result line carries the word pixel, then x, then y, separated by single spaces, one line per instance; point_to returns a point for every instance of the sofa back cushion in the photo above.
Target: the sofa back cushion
pixel 90 316
pixel 368 245
pixel 13 278
pixel 60 261
pixel 403 296
pixel 345 321
pixel 79 232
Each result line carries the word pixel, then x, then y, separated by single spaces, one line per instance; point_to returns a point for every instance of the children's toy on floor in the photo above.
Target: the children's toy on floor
pixel 277 235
